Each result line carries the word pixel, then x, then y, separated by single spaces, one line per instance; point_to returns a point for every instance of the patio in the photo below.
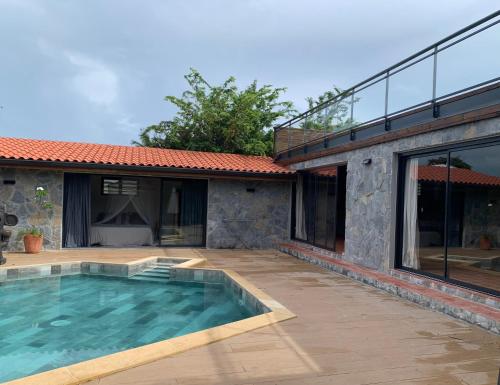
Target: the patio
pixel 345 332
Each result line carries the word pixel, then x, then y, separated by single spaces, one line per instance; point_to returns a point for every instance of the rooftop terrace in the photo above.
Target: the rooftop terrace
pixel 455 75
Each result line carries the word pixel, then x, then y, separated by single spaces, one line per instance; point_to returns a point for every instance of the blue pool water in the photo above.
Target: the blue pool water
pixel 47 323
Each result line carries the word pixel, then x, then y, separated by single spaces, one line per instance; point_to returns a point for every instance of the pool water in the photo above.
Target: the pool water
pixel 47 323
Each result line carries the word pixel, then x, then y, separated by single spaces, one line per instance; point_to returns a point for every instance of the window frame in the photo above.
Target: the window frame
pixel 120 186
pixel 314 190
pixel 402 158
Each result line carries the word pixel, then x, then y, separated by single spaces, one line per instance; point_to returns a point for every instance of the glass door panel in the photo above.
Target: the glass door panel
pixel 310 205
pixel 316 207
pixel 424 213
pixel 474 220
pixel 183 214
pixel 341 191
pixel 321 212
pixel 331 213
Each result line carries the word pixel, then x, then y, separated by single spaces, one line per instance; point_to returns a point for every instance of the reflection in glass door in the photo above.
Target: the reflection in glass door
pixel 424 213
pixel 450 216
pixel 319 207
pixel 474 224
pixel 183 212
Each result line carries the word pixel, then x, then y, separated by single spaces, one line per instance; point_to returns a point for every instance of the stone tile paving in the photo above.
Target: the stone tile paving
pixel 477 313
pixel 345 332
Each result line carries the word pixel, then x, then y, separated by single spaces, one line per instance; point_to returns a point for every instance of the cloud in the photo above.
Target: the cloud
pixel 126 124
pixel 94 80
pixel 28 6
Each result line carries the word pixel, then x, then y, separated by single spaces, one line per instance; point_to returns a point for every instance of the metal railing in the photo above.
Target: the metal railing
pixel 463 61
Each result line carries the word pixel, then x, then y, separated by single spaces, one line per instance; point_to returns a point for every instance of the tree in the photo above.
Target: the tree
pixel 334 116
pixel 220 118
pixel 455 161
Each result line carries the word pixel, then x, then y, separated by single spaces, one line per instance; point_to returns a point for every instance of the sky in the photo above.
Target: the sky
pixel 98 70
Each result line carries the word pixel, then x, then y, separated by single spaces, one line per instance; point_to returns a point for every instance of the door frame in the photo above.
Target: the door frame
pixel 402 158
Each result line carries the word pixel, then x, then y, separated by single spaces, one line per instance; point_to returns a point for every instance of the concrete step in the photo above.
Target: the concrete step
pixel 163 264
pixel 152 273
pixel 159 272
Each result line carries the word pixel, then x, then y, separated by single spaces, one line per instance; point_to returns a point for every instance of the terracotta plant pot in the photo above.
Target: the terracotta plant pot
pixel 32 243
pixel 484 243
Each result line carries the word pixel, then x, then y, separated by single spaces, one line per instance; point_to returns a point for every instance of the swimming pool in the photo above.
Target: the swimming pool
pixel 51 322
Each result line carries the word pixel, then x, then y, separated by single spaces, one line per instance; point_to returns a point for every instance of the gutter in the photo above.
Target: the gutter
pixel 143 170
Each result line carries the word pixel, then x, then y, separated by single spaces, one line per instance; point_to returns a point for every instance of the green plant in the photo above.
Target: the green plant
pixel 44 205
pixel 335 116
pixel 220 118
pixel 40 198
pixel 33 230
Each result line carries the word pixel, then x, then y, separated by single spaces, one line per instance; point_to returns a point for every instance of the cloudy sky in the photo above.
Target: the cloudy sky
pixel 97 70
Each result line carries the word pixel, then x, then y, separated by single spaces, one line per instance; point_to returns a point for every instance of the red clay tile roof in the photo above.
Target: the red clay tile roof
pixel 457 175
pixel 326 172
pixel 48 150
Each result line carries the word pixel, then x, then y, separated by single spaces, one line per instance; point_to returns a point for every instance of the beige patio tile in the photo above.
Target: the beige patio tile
pixel 345 333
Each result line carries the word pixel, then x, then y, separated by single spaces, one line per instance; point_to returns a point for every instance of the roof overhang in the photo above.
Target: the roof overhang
pixel 105 168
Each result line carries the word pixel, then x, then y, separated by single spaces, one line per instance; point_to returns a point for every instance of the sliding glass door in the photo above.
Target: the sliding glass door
pixel 424 213
pixel 474 220
pixel 319 208
pixel 450 216
pixel 183 212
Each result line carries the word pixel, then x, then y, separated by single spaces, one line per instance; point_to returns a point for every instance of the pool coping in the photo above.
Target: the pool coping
pixel 116 362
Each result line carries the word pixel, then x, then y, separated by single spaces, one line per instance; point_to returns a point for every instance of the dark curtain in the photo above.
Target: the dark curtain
pixel 76 215
pixel 193 203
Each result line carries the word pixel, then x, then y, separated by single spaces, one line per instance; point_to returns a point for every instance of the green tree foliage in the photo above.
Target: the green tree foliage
pixel 220 118
pixel 334 116
pixel 455 161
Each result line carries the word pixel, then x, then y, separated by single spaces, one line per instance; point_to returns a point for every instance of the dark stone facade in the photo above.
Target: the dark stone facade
pixel 371 189
pixel 240 213
pixel 247 214
pixel 18 199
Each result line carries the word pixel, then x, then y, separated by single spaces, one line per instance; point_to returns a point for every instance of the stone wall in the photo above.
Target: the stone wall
pixel 238 217
pixel 371 189
pixel 18 199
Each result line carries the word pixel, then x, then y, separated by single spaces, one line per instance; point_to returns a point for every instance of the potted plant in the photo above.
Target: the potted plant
pixel 33 240
pixel 33 236
pixel 484 242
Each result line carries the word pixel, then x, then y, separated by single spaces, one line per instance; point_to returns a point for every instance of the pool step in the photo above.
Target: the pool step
pixel 159 272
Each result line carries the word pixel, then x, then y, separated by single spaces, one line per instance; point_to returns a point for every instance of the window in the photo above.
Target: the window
pixel 120 186
pixel 450 215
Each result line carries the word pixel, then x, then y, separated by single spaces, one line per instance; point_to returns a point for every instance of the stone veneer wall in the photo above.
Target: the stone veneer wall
pixel 18 200
pixel 371 190
pixel 237 218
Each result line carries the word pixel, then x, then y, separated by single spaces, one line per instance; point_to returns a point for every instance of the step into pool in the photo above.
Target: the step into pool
pixel 47 323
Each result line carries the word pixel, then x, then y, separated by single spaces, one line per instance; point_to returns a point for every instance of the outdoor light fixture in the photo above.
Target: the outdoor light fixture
pixel 367 161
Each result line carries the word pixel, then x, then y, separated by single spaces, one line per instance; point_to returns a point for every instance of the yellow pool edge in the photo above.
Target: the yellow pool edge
pixel 106 365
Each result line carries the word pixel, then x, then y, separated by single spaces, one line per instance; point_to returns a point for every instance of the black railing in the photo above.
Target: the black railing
pixel 463 61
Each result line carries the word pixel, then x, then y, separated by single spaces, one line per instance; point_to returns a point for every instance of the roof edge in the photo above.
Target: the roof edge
pixel 89 166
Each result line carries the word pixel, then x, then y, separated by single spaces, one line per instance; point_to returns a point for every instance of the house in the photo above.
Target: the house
pixel 387 176
pixel 106 195
pixel 419 159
